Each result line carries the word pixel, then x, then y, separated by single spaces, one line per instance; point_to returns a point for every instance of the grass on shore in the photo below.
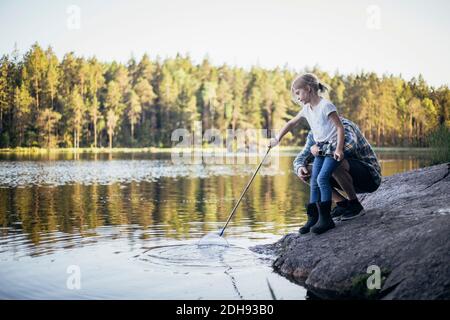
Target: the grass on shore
pixel 440 141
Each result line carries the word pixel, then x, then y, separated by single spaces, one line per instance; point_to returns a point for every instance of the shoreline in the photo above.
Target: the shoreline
pixel 36 150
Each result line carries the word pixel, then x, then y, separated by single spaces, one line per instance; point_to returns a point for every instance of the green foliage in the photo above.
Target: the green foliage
pixel 439 140
pixel 360 290
pixel 46 122
pixel 79 102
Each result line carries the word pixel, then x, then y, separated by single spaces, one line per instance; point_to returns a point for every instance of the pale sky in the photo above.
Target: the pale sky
pixel 404 37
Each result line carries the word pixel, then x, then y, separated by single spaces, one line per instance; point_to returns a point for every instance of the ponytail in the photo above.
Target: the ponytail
pixel 321 87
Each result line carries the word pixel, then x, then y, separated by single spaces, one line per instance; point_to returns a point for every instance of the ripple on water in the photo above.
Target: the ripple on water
pixel 180 257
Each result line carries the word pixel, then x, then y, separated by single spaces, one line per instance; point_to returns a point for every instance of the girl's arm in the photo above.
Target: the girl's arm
pixel 287 127
pixel 339 153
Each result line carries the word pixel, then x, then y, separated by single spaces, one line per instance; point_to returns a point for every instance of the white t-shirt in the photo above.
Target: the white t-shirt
pixel 322 127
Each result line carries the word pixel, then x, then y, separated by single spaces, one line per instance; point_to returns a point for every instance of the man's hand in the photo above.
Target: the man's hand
pixel 303 174
pixel 338 155
pixel 315 150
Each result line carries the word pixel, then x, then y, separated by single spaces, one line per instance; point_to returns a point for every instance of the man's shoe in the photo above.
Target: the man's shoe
pixel 353 210
pixel 325 222
pixel 338 210
pixel 313 216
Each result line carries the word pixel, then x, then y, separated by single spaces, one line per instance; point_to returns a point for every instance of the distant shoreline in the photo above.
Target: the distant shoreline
pixel 35 150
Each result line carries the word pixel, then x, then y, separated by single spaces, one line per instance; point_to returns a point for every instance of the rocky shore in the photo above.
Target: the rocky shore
pixel 404 234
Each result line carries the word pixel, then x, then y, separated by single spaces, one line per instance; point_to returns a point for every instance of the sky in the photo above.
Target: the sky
pixel 401 37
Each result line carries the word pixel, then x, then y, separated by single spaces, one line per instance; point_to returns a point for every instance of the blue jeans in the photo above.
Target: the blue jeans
pixel 323 167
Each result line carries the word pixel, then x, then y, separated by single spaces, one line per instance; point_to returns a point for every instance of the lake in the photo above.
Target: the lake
pixel 126 226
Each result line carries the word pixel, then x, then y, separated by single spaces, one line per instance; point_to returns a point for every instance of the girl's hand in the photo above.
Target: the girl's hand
pixel 338 155
pixel 273 142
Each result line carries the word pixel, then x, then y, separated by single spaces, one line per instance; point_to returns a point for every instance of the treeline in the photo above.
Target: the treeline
pixel 83 102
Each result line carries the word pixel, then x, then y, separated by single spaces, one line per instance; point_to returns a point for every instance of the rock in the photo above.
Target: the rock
pixel 405 232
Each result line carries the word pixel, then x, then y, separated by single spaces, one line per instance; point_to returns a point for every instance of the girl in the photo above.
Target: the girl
pixel 327 130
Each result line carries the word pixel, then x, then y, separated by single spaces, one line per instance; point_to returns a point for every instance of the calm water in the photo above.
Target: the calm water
pixel 128 225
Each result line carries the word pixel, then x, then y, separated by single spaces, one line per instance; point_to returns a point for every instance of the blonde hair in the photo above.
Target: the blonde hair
pixel 307 79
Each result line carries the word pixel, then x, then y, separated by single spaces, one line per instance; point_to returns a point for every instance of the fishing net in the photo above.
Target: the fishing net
pixel 212 239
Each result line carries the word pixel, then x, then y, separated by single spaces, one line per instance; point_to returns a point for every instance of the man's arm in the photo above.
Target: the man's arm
pixel 305 155
pixel 351 138
pixel 339 152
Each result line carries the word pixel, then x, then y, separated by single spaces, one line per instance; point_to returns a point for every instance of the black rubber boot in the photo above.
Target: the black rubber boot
pixel 339 210
pixel 313 216
pixel 354 209
pixel 325 222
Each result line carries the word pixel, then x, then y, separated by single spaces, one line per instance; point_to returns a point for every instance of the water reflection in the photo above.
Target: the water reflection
pixel 172 208
pixel 149 212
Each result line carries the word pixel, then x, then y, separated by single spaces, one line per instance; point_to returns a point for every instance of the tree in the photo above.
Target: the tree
pixel 69 75
pixel 22 109
pixel 4 88
pixel 111 122
pixel 114 107
pixel 122 79
pixel 167 93
pixel 238 84
pixel 95 115
pixel 51 75
pixel 144 69
pixel 413 108
pixel 134 110
pixel 47 120
pixel 146 94
pixel 223 114
pixel 77 107
pixel 208 103
pixel 95 82
pixel 35 67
